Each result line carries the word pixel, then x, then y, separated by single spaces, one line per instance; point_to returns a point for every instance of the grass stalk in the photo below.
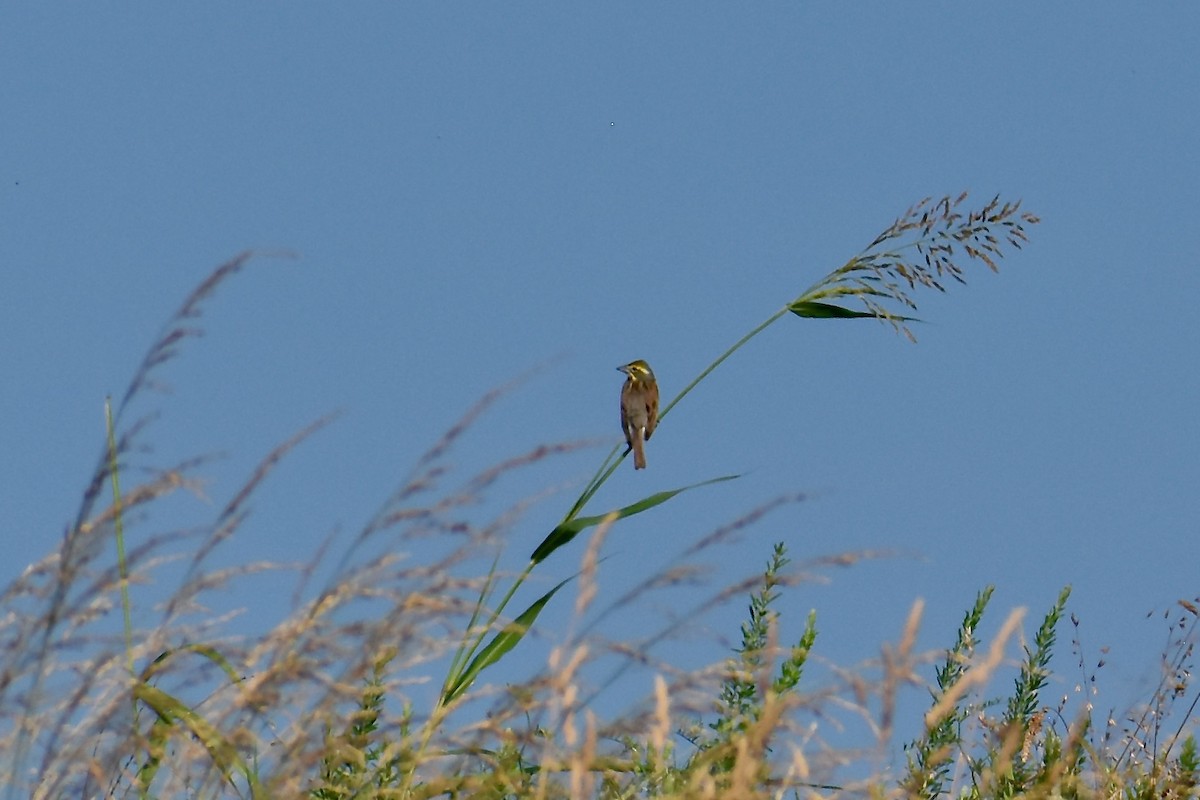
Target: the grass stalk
pixel 114 474
pixel 920 248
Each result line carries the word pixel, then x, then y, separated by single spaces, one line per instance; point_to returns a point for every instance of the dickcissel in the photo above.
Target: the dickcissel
pixel 639 408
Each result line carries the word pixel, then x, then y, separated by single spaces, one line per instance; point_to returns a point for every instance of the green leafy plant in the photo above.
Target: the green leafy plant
pixel 746 693
pixel 364 760
pixel 1006 766
pixel 931 757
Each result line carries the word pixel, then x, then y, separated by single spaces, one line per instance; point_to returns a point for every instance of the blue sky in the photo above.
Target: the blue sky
pixel 473 191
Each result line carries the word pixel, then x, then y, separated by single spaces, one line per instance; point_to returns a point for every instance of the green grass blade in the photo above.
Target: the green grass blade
pixel 500 644
pixel 467 647
pixel 568 530
pixel 171 711
pixel 815 310
pixel 206 651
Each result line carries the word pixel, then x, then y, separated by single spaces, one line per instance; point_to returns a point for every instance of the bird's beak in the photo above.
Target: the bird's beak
pixel 623 369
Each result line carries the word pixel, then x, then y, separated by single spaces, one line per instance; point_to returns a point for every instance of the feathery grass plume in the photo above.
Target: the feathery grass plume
pixel 938 234
pixel 922 247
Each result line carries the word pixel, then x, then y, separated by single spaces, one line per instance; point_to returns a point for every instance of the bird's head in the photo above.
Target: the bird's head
pixel 637 370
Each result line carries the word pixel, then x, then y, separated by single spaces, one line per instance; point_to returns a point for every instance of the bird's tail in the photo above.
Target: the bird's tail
pixel 639 451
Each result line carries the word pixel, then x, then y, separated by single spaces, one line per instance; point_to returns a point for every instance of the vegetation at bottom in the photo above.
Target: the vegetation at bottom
pixel 378 681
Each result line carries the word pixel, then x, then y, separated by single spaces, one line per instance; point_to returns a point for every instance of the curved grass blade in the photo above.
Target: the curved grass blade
pixel 466 648
pixel 566 531
pixel 172 712
pixel 500 644
pixel 207 651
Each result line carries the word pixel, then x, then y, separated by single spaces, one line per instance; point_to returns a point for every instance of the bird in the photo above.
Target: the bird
pixel 639 408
